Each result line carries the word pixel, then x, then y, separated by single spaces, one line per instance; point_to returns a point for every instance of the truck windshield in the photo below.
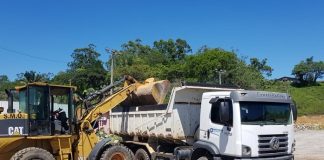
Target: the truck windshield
pixel 265 113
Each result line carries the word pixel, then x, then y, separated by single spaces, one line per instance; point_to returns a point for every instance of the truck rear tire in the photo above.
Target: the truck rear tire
pixel 141 154
pixel 32 153
pixel 201 155
pixel 203 158
pixel 117 152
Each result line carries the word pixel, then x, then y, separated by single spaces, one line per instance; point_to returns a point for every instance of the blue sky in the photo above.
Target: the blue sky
pixel 284 32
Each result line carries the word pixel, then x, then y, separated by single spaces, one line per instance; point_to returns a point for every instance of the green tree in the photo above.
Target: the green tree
pixel 33 76
pixel 318 70
pixel 248 77
pixel 63 78
pixel 261 66
pixel 134 59
pixel 308 71
pixel 134 52
pixel 85 71
pixel 4 84
pixel 4 79
pixel 174 50
pixel 160 61
pixel 202 67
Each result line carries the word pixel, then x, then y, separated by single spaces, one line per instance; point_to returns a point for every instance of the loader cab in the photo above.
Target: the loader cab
pixel 48 109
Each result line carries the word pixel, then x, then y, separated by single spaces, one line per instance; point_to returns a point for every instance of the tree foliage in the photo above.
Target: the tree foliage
pixel 4 84
pixel 169 59
pixel 143 61
pixel 33 76
pixel 173 50
pixel 308 71
pixel 203 67
pixel 85 71
pixel 261 66
pixel 164 59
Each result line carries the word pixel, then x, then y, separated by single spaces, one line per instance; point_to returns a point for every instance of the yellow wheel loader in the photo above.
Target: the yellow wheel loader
pixel 48 126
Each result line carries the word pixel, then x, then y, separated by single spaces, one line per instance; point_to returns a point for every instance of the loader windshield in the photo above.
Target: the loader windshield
pixel 265 113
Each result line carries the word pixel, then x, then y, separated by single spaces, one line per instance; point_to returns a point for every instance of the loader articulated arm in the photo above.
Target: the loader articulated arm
pixel 110 103
pixel 133 93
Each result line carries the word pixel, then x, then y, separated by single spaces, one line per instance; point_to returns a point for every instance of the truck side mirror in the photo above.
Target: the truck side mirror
pixel 224 112
pixel 1 109
pixel 294 111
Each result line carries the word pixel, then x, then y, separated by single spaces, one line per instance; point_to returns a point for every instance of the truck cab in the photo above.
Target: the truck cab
pixel 246 125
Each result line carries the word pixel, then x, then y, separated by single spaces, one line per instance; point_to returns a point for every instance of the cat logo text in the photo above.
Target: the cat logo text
pixel 14 131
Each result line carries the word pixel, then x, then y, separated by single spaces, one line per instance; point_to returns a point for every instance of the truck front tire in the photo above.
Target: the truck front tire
pixel 201 155
pixel 141 154
pixel 32 153
pixel 117 152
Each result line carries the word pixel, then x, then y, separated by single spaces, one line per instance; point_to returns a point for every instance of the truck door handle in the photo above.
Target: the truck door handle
pixel 208 134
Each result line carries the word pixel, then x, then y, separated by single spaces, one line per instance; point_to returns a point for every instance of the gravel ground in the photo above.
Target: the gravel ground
pixel 309 145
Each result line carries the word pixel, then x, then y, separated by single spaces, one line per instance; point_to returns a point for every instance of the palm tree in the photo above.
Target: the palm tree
pixel 33 76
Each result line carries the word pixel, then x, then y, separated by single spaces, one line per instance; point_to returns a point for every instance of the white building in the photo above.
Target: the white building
pixel 4 104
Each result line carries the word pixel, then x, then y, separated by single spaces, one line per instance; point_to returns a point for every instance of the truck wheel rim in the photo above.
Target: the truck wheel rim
pixel 118 156
pixel 140 157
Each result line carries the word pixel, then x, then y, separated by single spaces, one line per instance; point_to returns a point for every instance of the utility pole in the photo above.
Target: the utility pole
pixel 220 72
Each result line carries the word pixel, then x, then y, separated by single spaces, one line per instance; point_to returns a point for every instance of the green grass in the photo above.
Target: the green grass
pixel 309 100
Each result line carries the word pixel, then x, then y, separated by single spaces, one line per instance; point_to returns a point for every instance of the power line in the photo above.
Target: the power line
pixel 31 56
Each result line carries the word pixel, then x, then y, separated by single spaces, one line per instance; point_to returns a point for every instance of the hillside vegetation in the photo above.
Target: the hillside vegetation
pixel 309 99
pixel 175 61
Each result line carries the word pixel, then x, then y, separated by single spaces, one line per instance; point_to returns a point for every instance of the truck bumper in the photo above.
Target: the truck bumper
pixel 287 157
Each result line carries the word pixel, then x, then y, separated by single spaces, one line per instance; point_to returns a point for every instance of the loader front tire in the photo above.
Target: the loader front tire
pixel 141 154
pixel 32 153
pixel 117 152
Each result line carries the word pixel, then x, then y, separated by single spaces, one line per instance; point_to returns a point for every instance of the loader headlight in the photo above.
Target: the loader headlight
pixel 246 151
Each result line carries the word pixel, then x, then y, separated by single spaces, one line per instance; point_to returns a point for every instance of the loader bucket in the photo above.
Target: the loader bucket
pixel 149 93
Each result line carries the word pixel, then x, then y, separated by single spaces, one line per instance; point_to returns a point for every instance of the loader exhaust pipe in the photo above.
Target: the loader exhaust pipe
pixel 10 101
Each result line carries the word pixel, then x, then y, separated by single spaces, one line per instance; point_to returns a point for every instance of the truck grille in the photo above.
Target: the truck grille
pixel 267 145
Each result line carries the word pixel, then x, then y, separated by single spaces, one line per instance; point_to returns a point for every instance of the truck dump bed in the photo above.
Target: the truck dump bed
pixel 177 120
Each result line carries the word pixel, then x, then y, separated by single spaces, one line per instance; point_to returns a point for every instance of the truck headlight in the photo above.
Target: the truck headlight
pixel 246 151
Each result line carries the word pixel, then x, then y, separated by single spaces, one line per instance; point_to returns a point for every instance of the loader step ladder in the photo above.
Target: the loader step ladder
pixel 65 150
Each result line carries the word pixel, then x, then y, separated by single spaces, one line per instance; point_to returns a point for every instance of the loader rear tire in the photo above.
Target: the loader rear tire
pixel 117 152
pixel 141 154
pixel 32 153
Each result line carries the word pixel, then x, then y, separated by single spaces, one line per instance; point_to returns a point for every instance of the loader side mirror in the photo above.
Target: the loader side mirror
pixel 1 109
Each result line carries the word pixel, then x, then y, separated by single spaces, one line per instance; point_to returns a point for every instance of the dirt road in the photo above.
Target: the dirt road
pixel 309 145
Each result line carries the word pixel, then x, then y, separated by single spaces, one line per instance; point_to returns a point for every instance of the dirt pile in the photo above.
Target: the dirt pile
pixel 314 122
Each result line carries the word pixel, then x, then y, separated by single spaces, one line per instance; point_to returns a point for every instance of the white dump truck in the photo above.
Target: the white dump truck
pixel 209 123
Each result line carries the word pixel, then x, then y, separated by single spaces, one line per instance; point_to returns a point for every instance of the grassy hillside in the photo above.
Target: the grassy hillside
pixel 310 100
